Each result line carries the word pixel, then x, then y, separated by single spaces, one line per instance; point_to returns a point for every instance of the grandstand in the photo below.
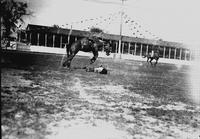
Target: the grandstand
pixel 56 37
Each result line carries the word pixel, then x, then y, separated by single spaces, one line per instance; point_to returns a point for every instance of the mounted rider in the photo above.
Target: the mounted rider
pixel 93 38
pixel 155 50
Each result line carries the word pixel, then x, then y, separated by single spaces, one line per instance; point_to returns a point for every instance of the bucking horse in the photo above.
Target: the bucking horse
pixel 150 57
pixel 86 45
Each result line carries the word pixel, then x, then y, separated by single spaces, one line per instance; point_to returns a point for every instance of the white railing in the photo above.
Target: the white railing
pixel 103 54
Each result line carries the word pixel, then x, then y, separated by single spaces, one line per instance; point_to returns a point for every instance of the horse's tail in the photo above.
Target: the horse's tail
pixel 145 55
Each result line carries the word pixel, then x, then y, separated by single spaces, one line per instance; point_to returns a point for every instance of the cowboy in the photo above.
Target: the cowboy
pixel 152 53
pixel 99 69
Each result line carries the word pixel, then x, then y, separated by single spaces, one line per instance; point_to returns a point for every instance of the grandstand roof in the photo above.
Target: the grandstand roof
pixel 80 33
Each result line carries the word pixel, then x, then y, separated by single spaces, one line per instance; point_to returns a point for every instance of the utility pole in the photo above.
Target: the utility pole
pixel 121 25
pixel 69 35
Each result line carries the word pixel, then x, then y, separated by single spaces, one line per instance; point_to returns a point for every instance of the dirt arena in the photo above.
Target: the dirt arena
pixel 40 100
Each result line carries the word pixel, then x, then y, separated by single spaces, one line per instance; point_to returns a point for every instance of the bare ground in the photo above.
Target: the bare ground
pixel 133 101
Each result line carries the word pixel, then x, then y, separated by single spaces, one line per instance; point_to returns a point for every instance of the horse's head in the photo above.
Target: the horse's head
pixel 105 45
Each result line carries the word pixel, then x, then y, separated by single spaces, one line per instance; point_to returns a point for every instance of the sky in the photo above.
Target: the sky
pixel 170 20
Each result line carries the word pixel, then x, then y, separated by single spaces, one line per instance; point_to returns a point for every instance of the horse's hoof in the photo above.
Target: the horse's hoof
pixel 68 68
pixel 92 61
pixel 64 64
pixel 64 67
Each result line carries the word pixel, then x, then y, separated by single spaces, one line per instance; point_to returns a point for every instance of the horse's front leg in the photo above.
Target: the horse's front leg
pixel 68 61
pixel 147 60
pixel 95 52
pixel 156 63
pixel 151 61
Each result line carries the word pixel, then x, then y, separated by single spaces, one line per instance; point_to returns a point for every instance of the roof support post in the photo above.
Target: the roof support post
pixel 147 49
pixel 164 52
pixel 26 36
pixel 30 37
pixel 38 39
pixel 175 53
pixel 53 40
pixel 180 53
pixel 122 47
pixel 141 49
pixel 60 41
pixel 19 38
pixel 129 46
pixel 185 54
pixel 190 55
pixel 169 52
pixel 45 39
pixel 135 49
pixel 116 46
